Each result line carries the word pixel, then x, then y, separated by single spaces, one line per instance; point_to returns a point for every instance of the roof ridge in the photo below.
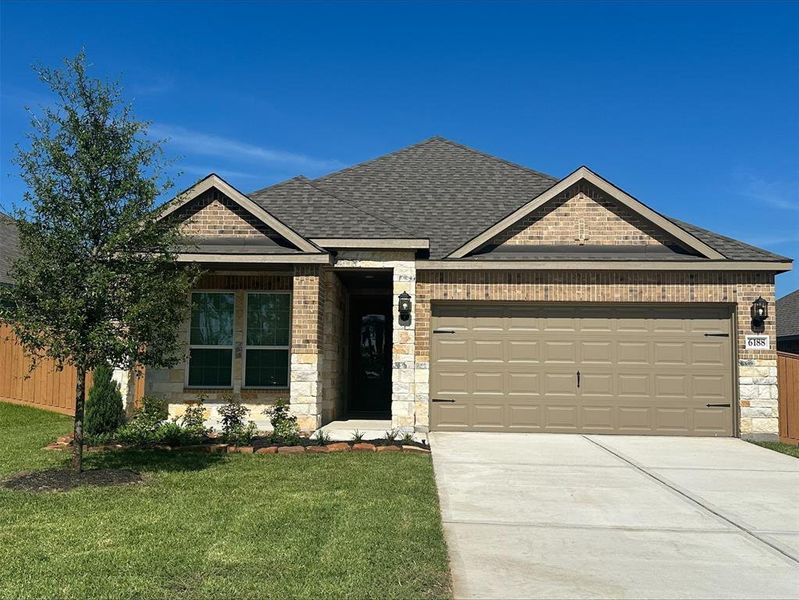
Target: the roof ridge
pixel 316 186
pixel 435 138
pixel 496 158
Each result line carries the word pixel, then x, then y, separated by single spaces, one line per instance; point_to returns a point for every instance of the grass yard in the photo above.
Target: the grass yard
pixel 350 525
pixel 789 449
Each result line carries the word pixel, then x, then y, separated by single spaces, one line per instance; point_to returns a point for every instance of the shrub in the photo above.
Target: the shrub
pixel 391 435
pixel 357 436
pixel 172 434
pixel 193 420
pixel 284 425
pixel 234 429
pixel 408 438
pixel 104 410
pixel 145 423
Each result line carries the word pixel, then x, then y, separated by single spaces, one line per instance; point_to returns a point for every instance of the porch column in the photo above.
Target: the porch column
pixel 403 384
pixel 305 391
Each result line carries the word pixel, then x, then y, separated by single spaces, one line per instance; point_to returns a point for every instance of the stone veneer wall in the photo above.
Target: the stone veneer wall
pixel 306 339
pixel 404 366
pixel 757 376
pixel 605 222
pixel 170 383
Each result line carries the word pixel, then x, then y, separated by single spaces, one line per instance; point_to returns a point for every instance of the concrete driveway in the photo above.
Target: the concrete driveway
pixel 571 516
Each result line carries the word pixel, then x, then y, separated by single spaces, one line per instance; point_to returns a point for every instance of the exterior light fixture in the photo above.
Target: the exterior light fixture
pixel 404 305
pixel 759 312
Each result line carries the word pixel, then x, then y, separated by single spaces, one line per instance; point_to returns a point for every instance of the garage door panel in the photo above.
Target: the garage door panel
pixel 596 352
pixel 524 351
pixel 524 383
pixel 707 354
pixel 524 417
pixel 643 369
pixel 484 382
pixel 488 351
pixel 671 353
pixel 597 417
pixel 488 416
pixel 560 352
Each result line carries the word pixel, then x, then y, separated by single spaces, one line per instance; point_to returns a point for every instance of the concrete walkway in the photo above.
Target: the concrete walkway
pixel 570 516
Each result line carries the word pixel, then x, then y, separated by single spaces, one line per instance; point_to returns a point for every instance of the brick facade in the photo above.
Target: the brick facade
pixel 214 214
pixel 583 214
pixel 757 385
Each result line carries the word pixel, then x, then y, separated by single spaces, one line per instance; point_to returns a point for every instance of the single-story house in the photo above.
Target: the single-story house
pixel 450 290
pixel 788 323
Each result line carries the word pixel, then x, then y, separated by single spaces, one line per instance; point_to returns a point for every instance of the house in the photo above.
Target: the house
pixel 788 323
pixel 450 290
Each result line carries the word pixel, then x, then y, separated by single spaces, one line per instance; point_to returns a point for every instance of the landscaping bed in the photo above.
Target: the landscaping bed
pixel 213 525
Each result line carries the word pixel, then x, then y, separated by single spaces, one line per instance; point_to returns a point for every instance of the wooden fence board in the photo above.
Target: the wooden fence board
pixel 788 383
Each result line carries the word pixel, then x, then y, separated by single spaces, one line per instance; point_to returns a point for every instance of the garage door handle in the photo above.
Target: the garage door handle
pixel 728 405
pixel 442 400
pixel 444 330
pixel 717 335
pixel 578 378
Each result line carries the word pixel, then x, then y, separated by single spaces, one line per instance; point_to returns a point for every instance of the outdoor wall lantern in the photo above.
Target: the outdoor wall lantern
pixel 404 305
pixel 759 313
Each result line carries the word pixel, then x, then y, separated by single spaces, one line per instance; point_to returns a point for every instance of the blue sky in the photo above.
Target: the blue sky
pixel 693 108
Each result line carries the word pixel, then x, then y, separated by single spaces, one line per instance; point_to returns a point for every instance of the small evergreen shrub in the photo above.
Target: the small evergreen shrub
pixel 357 436
pixel 234 429
pixel 284 425
pixel 408 438
pixel 193 420
pixel 322 437
pixel 104 410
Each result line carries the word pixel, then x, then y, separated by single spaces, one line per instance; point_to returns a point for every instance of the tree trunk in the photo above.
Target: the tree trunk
pixel 80 401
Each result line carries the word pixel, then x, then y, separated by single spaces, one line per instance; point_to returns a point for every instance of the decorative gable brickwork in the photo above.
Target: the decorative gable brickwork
pixel 583 215
pixel 214 214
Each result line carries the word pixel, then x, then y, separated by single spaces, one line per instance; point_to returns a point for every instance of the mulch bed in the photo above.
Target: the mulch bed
pixel 62 480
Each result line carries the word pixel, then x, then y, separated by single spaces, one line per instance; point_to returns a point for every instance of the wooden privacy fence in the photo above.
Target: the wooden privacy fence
pixel 788 383
pixel 45 387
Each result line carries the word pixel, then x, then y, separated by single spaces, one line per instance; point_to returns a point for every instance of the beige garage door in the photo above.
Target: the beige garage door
pixel 582 369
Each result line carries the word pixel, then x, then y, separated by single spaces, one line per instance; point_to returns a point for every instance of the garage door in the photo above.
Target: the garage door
pixel 582 369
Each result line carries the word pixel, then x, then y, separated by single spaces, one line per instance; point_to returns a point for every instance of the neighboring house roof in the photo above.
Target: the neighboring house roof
pixel 788 315
pixel 9 246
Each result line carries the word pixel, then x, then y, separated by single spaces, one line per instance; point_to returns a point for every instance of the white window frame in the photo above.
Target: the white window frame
pixel 231 347
pixel 246 347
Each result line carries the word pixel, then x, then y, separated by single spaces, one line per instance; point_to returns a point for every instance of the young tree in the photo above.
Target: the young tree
pixel 97 282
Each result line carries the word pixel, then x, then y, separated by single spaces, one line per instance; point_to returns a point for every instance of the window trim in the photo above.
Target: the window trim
pixel 246 347
pixel 231 347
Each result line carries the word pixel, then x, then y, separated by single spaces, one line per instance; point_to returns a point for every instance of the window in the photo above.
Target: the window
pixel 211 340
pixel 266 353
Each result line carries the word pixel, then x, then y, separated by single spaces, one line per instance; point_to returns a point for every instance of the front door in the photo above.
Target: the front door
pixel 370 355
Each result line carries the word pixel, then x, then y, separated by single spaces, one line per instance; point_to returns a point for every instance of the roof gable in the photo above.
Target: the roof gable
pixel 583 174
pixel 238 215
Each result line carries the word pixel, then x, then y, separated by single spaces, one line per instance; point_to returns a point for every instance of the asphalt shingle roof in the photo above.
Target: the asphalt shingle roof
pixel 9 246
pixel 316 213
pixel 437 190
pixel 788 315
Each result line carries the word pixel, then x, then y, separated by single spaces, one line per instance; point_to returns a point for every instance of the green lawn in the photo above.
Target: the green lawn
pixel 219 526
pixel 789 449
